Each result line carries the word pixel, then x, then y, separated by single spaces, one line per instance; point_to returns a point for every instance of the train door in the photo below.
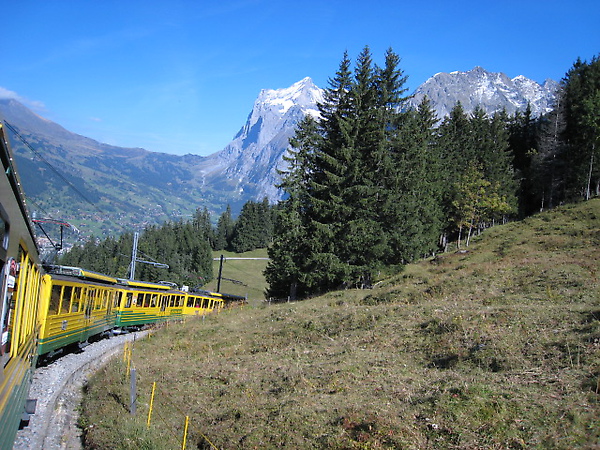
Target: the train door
pixel 7 287
pixel 9 276
pixel 88 310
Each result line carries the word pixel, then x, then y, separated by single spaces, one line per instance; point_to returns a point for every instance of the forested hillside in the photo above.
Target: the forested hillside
pixel 185 246
pixel 371 185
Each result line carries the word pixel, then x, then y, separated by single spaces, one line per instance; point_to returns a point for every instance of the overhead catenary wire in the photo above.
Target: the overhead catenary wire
pixel 45 161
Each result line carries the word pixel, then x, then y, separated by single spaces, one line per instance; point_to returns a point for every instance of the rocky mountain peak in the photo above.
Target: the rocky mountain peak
pixel 304 94
pixel 493 91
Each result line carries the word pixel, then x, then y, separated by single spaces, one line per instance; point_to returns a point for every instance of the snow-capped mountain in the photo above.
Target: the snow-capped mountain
pixel 250 161
pixel 490 90
pixel 248 165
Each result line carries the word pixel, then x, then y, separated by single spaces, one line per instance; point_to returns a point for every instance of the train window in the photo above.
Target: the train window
pixel 110 300
pixel 66 299
pixel 118 299
pixel 99 300
pixel 140 300
pixel 7 287
pixel 129 300
pixel 4 233
pixel 87 302
pixel 76 300
pixel 54 300
pixel 4 228
pixel 153 301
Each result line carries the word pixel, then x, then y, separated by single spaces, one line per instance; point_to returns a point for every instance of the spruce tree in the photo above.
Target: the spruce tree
pixel 582 132
pixel 417 211
pixel 337 186
pixel 224 230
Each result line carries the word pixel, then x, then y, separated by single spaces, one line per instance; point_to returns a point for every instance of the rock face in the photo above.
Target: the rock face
pixel 492 91
pixel 249 163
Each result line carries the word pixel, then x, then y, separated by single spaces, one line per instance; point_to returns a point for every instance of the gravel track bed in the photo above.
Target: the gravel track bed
pixel 58 388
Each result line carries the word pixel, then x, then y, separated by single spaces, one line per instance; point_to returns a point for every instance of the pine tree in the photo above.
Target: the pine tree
pixel 550 162
pixel 523 135
pixel 224 230
pixel 416 207
pixel 253 227
pixel 337 183
pixel 582 131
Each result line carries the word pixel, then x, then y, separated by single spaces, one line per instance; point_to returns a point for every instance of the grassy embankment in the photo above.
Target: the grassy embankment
pixel 495 348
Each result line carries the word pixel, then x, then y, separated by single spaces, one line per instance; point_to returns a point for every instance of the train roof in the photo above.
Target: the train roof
pixel 143 284
pixel 220 295
pixel 78 272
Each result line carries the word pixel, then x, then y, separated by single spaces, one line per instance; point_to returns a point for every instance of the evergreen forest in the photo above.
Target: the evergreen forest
pixel 371 185
pixel 185 246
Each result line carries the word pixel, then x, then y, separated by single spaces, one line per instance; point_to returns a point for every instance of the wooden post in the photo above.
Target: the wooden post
pixel 132 394
pixel 220 273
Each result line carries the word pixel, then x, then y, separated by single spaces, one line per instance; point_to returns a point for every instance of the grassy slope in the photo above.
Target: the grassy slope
pixel 495 348
pixel 247 271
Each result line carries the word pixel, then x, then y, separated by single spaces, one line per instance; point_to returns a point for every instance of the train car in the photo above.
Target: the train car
pixel 230 299
pixel 20 279
pixel 200 303
pixel 141 303
pixel 174 303
pixel 75 305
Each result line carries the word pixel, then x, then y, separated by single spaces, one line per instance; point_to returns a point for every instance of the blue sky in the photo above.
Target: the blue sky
pixel 180 76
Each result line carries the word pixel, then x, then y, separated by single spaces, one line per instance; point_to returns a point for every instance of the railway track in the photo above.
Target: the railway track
pixel 58 388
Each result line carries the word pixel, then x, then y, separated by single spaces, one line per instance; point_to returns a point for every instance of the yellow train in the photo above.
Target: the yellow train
pixel 20 280
pixel 44 309
pixel 77 304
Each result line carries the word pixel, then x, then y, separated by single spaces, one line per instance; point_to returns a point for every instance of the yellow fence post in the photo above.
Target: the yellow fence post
pixel 185 430
pixel 128 359
pixel 151 404
pixel 125 348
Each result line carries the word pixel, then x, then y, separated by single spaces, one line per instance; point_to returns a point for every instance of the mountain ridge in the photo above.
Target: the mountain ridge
pixel 135 187
pixel 492 91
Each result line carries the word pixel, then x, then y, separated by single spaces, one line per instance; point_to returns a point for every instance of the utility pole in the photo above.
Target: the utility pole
pixel 135 259
pixel 220 273
pixel 134 256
